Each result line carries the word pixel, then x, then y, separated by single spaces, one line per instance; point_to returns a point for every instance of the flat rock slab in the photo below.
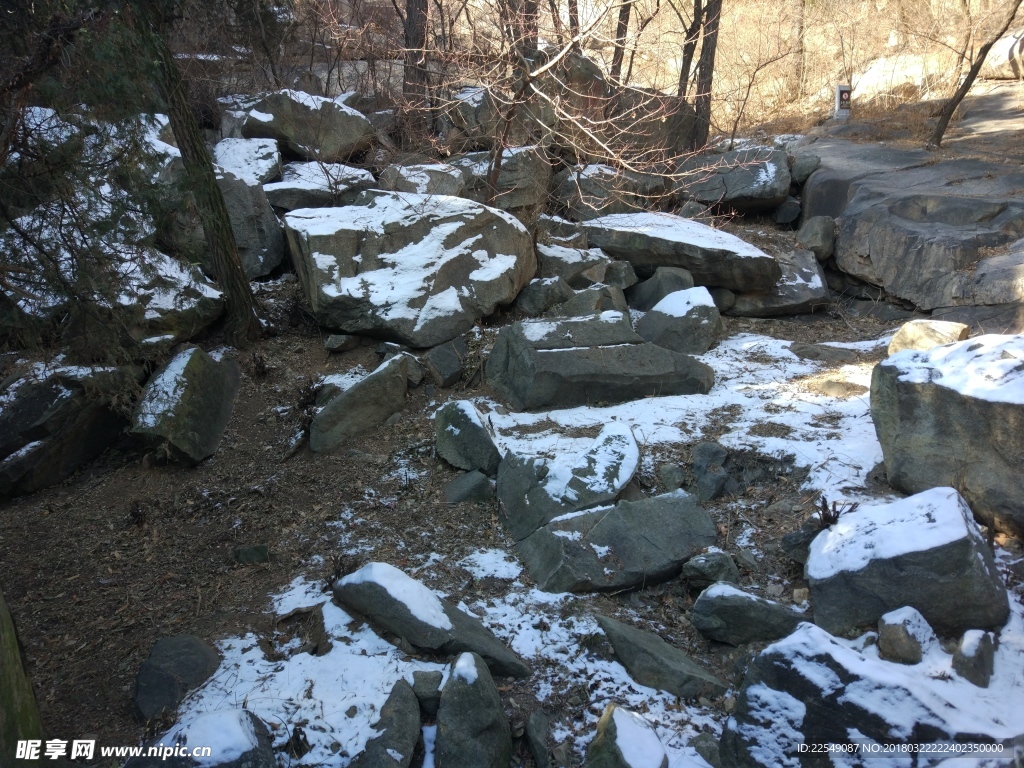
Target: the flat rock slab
pixel 186 405
pixel 399 604
pixel 748 180
pixel 729 615
pixel 176 666
pixel 415 269
pixel 714 258
pixel 924 551
pixel 954 415
pixel 555 364
pixel 654 663
pixel 316 185
pixel 362 406
pixel 811 689
pixel 628 545
pixel 801 289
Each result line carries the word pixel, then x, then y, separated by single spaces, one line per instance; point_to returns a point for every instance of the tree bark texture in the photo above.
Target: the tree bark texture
pixel 705 74
pixel 621 29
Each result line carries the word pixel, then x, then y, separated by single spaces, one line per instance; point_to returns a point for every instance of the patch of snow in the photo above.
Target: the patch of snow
pixel 254 161
pixel 420 600
pixel 637 740
pixel 164 390
pixel 465 668
pixel 229 731
pixel 776 734
pixel 491 562
pixel 429 739
pixel 676 229
pixel 679 303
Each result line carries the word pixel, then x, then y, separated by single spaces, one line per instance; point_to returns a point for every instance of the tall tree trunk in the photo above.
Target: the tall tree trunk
pixel 416 81
pixel 972 74
pixel 706 74
pixel 574 22
pixel 690 47
pixel 530 31
pixel 621 28
pixel 796 86
pixel 222 251
pixel 19 715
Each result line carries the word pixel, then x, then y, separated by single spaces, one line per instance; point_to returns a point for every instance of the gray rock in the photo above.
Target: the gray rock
pixel 574 265
pixel 176 666
pixel 747 180
pixel 628 545
pixel 818 235
pixel 317 185
pixel 797 544
pixel 802 288
pixel 472 486
pixel 804 164
pixel 415 269
pixel 587 192
pixel 904 636
pixel 424 179
pixel 523 181
pixel 552 230
pixel 51 424
pixel 993 318
pixel 591 301
pixel 312 127
pixel 706 569
pixel 186 405
pixel 724 298
pixel 341 342
pixel 399 727
pixel 543 294
pixel 427 687
pixel 252 554
pixel 462 439
pixel 582 361
pixel 194 732
pixel 684 321
pixel 937 428
pixel 256 161
pixel 924 551
pixel 472 730
pixel 671 476
pixel 798 691
pixel 621 736
pixel 922 335
pixel 729 615
pixel 366 404
pixel 664 281
pixel 444 362
pixel 974 658
pixel 706 745
pixel 537 727
pixel 448 632
pixel 654 663
pixel 711 478
pixel 788 212
pixel 256 228
pixel 714 258
pixel 691 209
pixel 824 353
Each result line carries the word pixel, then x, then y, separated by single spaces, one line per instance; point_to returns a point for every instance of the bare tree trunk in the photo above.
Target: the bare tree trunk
pixel 222 251
pixel 690 47
pixel 574 22
pixel 705 74
pixel 621 28
pixel 972 74
pixel 796 87
pixel 416 80
pixel 530 30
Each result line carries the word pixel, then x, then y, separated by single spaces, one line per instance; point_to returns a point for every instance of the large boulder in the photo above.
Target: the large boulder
pixel 714 258
pixel 684 321
pixel 397 603
pixel 523 180
pixel 310 127
pixel 580 361
pixel 654 663
pixel 809 689
pixel 631 544
pixel 256 227
pixel 317 185
pixel 415 269
pixel 954 415
pixel 924 551
pixel 472 730
pixel 176 666
pixel 589 191
pixel 801 289
pixel 362 405
pixel 255 161
pixel 53 419
pixel 424 179
pixel 625 740
pixel 462 440
pixel 747 180
pixel 730 615
pixel 186 405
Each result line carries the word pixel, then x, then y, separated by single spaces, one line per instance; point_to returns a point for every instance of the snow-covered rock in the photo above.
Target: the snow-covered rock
pixel 801 289
pixel 625 740
pixel 747 180
pixel 254 161
pixel 523 182
pixel 317 185
pixel 578 361
pixel 729 615
pixel 237 738
pixel 684 321
pixel 416 269
pixel 311 127
pixel 714 258
pixel 664 281
pixel 904 636
pixel 186 405
pixel 924 551
pixel 256 227
pixel 954 415
pixel 424 179
pixel 396 602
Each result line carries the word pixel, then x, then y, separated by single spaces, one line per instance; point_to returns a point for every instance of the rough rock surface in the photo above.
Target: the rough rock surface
pixel 904 636
pixel 415 269
pixel 924 551
pixel 472 730
pixel 395 602
pixel 176 665
pixel 21 719
pixel 714 258
pixel 310 127
pixel 587 192
pixel 607 549
pixel 577 266
pixel 424 179
pixel 581 361
pixel 256 161
pixel 974 658
pixel 801 289
pixel 748 180
pixel 256 228
pixel 186 404
pixel 818 235
pixel 922 335
pixel 522 183
pixel 462 440
pixel 399 728
pixel 364 405
pixel 665 280
pixel 954 415
pixel 654 663
pixel 730 615
pixel 542 295
pixel 444 362
pixel 705 569
pixel 685 321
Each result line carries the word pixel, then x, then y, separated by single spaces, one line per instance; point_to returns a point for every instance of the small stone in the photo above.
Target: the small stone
pixel 706 746
pixel 472 486
pixel 974 658
pixel 562 755
pixel 176 665
pixel 801 595
pixel 704 570
pixel 444 363
pixel 724 298
pixel 922 335
pixel 341 342
pixel 671 476
pixel 788 212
